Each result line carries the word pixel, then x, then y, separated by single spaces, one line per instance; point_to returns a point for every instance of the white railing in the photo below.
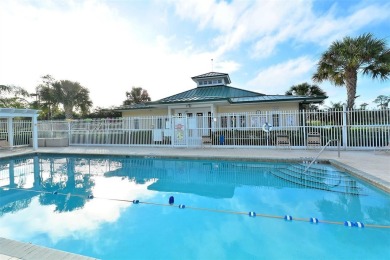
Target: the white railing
pixel 22 131
pixel 356 129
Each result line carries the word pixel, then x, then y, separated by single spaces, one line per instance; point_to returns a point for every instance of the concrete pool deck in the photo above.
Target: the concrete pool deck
pixel 371 166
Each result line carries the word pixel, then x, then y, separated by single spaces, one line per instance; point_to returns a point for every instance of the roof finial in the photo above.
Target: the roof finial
pixel 212 65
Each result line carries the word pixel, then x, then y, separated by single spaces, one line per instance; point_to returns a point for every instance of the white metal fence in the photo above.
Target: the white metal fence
pixel 355 129
pixel 22 131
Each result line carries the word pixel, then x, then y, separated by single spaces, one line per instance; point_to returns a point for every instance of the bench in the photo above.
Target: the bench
pixel 313 139
pixel 4 144
pixel 283 140
pixel 206 140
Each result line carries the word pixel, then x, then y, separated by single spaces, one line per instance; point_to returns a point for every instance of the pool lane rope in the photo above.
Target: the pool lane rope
pixel 251 214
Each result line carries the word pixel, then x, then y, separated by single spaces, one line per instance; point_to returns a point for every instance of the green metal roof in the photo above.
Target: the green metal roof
pixel 213 75
pixel 208 94
pixel 273 98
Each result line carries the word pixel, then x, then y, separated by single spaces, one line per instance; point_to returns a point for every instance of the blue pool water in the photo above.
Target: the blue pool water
pixel 44 200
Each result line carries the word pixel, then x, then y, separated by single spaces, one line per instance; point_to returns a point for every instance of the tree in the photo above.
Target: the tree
pixel 12 96
pixel 100 112
pixel 382 101
pixel 305 89
pixel 342 62
pixel 363 106
pixel 137 95
pixel 336 106
pixel 69 94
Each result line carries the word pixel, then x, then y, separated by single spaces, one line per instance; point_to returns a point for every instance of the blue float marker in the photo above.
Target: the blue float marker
pixel 358 224
pixel 135 201
pixel 252 214
pixel 171 200
pixel 182 206
pixel 348 224
pixel 55 192
pixel 288 217
pixel 314 220
pixel 90 196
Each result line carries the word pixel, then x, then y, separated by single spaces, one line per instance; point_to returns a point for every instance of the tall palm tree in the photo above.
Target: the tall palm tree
pixel 69 94
pixel 342 62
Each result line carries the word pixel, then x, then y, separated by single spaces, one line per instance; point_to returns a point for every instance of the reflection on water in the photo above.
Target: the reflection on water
pixel 49 197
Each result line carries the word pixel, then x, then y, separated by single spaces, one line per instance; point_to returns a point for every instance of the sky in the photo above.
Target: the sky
pixel 109 46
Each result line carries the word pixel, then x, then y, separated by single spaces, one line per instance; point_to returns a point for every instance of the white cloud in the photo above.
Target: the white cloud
pixel 277 79
pixel 265 24
pixel 90 43
pixel 108 50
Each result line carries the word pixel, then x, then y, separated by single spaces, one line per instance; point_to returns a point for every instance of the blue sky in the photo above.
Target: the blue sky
pixel 111 45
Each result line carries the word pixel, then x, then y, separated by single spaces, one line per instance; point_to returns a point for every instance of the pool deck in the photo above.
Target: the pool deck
pixel 371 166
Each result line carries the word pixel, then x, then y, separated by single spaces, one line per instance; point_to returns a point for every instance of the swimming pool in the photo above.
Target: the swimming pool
pixel 84 205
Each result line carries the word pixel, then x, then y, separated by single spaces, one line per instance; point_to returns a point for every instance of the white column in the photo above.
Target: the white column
pixel 35 131
pixel 344 127
pixel 10 132
pixel 213 115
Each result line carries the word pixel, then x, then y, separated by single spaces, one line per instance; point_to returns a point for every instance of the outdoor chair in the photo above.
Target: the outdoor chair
pixel 313 139
pixel 206 140
pixel 283 140
pixel 4 144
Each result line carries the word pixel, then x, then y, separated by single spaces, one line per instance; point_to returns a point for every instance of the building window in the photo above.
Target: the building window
pixel 233 121
pixel 205 82
pixel 242 121
pixel 159 123
pixel 136 123
pixel 275 120
pixel 220 81
pixel 200 83
pixel 209 82
pixel 224 121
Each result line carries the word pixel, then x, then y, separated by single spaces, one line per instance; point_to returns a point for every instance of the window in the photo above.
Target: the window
pixel 233 121
pixel 136 123
pixel 159 123
pixel 242 121
pixel 220 81
pixel 200 83
pixel 224 121
pixel 205 82
pixel 275 120
pixel 209 82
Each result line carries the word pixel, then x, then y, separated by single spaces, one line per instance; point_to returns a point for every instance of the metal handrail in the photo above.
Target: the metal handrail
pixel 318 155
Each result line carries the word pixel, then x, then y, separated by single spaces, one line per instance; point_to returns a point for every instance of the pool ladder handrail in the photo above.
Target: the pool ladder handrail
pixel 322 150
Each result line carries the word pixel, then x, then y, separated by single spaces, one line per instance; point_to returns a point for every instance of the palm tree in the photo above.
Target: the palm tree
pixel 305 89
pixel 136 96
pixel 342 62
pixel 67 93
